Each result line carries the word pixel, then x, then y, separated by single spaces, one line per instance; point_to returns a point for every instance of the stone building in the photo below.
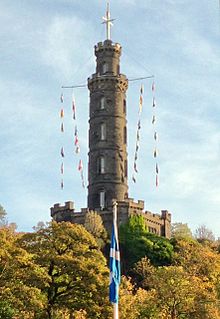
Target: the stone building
pixel 108 165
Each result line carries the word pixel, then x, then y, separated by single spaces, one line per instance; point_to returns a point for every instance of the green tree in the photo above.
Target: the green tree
pixel 137 242
pixel 6 311
pixel 73 274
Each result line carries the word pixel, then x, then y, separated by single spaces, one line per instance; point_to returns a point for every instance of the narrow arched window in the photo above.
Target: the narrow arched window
pixel 102 199
pixel 105 68
pixel 125 135
pixel 101 165
pixel 126 168
pixel 102 103
pixel 124 106
pixel 103 131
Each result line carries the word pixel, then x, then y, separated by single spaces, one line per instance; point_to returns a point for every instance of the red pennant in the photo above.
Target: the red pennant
pixel 80 166
pixel 157 181
pixel 62 113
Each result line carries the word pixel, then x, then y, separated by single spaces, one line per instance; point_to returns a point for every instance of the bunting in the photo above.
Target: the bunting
pixel 153 119
pixel 80 169
pixel 155 135
pixel 76 141
pixel 62 169
pixel 135 170
pixel 73 107
pixel 62 113
pixel 62 148
pixel 62 152
pixel 75 138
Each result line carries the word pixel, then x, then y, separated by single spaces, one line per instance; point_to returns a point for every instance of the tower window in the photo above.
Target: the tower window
pixel 101 165
pixel 126 168
pixel 102 199
pixel 124 106
pixel 105 67
pixel 103 131
pixel 125 135
pixel 102 103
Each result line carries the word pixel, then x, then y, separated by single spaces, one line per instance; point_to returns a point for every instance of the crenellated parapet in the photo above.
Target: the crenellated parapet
pixel 107 82
pixel 107 47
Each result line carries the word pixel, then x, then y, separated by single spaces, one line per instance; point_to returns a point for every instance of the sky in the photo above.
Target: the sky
pixel 46 44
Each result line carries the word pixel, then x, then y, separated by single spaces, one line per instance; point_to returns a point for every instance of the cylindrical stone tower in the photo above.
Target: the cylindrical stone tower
pixel 107 129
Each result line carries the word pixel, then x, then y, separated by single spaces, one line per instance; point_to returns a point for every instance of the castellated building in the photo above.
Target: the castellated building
pixel 108 165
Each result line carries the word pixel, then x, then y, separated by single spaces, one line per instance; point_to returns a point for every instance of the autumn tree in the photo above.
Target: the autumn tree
pixel 136 303
pixel 203 233
pixel 16 268
pixel 94 225
pixel 3 214
pixel 73 274
pixel 181 230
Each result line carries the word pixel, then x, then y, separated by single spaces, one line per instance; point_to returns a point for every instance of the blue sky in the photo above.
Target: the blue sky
pixel 49 43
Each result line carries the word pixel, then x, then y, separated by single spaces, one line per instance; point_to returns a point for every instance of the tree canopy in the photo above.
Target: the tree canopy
pixel 61 269
pixel 137 243
pixel 59 272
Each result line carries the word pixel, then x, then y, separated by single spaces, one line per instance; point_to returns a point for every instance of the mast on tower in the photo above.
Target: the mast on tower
pixel 108 21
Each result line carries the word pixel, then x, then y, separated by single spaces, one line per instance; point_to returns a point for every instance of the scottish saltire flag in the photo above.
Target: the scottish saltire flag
pixel 115 270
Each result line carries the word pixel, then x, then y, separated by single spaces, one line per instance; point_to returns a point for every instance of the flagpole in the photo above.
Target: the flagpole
pixel 115 311
pixel 115 305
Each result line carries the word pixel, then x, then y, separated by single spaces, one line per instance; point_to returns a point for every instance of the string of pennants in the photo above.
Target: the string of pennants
pixel 76 141
pixel 155 135
pixel 137 144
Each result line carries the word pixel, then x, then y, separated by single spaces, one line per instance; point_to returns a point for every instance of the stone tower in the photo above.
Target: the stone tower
pixel 107 129
pixel 108 148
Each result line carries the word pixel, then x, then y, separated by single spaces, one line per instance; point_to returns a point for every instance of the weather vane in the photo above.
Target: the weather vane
pixel 108 21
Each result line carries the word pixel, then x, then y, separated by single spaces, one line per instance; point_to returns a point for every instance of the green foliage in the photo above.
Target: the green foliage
pixel 137 242
pixel 6 311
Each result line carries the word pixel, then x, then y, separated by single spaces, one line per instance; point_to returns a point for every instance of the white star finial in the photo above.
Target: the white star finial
pixel 108 22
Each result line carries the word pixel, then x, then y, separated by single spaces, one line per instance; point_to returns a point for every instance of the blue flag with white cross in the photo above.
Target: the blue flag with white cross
pixel 115 270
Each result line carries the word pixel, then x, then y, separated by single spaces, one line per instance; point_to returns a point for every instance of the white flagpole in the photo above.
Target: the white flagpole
pixel 115 311
pixel 115 305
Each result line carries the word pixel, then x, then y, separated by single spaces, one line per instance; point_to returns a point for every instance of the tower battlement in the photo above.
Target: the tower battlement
pixel 157 223
pixel 107 46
